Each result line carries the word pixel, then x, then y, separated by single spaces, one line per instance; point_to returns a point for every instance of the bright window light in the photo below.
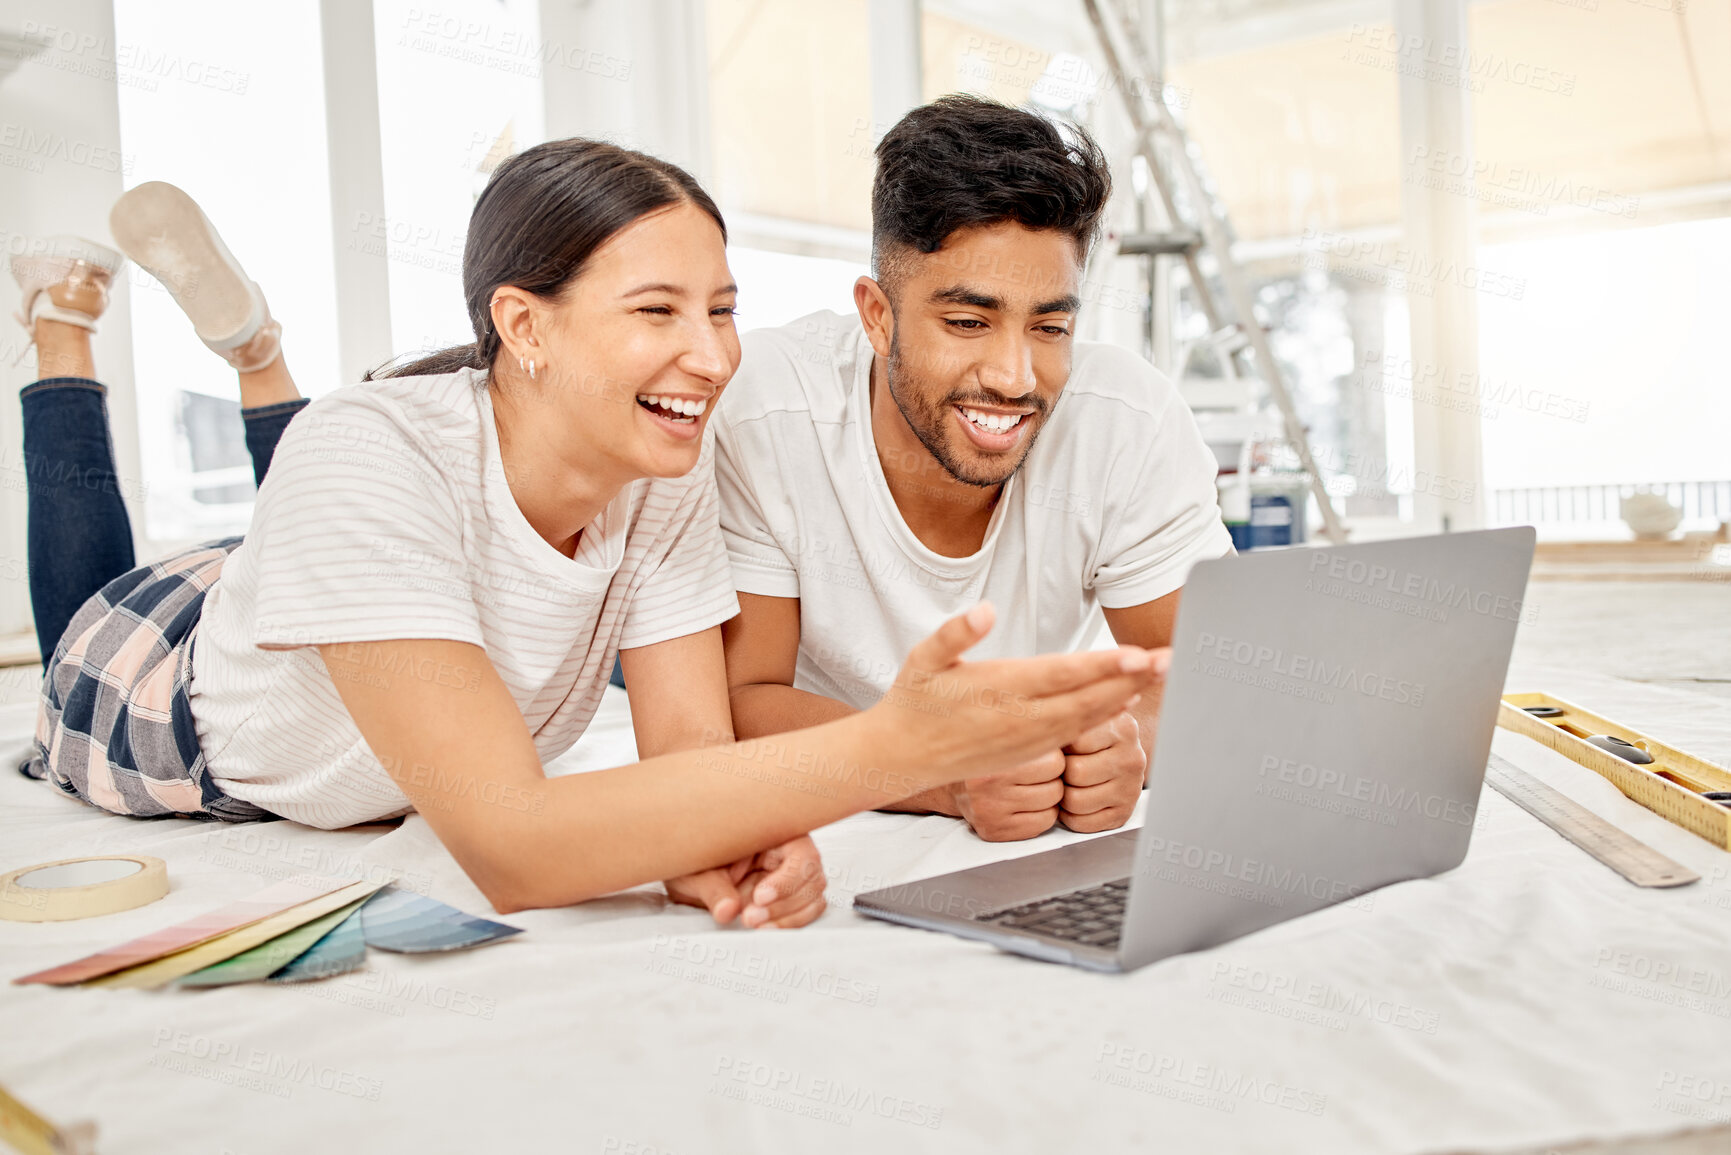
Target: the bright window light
pixel 1607 369
pixel 226 101
pixel 776 288
pixel 459 90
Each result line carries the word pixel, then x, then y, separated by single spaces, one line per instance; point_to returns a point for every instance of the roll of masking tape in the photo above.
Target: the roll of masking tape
pixel 82 887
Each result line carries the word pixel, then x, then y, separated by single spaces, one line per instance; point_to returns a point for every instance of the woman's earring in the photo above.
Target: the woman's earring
pixel 531 369
pixel 520 363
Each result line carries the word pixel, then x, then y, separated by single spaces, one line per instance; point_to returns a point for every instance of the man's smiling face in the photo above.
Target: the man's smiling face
pixel 982 341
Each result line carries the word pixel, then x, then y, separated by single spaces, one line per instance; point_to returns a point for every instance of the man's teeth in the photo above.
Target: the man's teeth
pixel 675 407
pixel 993 422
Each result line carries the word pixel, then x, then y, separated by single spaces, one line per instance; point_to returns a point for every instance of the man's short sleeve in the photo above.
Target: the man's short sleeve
pixel 358 533
pixel 1162 514
pixel 691 587
pixel 747 473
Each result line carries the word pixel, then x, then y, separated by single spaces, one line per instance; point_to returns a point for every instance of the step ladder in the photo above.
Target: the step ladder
pixel 1175 171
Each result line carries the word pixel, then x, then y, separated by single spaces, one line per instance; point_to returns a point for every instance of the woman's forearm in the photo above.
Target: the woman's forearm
pixel 466 760
pixel 607 830
pixel 463 755
pixel 771 708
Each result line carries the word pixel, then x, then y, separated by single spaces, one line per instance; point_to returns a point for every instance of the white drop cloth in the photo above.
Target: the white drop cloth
pixel 1530 996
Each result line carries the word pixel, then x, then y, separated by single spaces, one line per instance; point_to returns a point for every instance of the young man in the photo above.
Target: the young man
pixel 955 442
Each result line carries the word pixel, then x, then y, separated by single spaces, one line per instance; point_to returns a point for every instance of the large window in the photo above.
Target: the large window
pixel 1596 180
pixel 1587 121
pixel 459 90
pixel 790 109
pixel 227 102
pixel 791 138
pixel 1607 368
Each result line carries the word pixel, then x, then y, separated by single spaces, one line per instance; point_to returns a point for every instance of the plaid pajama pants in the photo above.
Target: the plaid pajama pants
pixel 115 726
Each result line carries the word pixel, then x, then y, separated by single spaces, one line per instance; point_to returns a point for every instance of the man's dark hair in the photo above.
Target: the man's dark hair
pixel 962 161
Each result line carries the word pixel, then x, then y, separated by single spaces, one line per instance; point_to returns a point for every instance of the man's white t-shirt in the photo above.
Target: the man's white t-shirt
pixel 387 515
pixel 1112 506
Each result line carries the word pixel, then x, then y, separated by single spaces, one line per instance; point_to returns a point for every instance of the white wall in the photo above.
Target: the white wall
pixel 61 167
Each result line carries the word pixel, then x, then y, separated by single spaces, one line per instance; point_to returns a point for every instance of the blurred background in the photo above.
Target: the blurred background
pixel 1486 241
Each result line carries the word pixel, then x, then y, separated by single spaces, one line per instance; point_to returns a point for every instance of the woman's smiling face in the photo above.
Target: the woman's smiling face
pixel 641 343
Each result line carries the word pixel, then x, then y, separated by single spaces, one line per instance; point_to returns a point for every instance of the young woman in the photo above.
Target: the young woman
pixel 444 561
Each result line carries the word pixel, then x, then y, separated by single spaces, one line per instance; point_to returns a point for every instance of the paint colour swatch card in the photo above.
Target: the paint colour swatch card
pixel 271 900
pixel 262 961
pixel 402 920
pixel 170 967
pixel 344 949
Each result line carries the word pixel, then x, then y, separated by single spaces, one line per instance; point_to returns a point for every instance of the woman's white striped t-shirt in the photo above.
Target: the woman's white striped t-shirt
pixel 387 514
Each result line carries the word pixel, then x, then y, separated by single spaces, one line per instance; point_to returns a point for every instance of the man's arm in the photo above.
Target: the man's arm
pixel 1106 768
pixel 762 646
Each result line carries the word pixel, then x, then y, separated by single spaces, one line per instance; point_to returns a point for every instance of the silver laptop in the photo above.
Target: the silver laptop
pixel 1324 732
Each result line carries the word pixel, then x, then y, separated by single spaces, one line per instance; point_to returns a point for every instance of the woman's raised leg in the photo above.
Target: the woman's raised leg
pixel 162 229
pixel 78 536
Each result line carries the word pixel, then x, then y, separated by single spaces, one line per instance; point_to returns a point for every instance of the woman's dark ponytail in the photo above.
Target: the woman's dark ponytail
pixel 542 215
pixel 433 364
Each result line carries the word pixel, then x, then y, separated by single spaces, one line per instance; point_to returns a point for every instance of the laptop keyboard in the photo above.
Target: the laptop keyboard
pixel 1092 917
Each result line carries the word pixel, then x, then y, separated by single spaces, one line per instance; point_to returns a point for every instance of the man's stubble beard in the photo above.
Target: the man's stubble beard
pixel 930 422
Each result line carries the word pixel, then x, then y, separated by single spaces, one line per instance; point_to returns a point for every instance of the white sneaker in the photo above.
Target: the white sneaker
pixel 168 235
pixel 64 279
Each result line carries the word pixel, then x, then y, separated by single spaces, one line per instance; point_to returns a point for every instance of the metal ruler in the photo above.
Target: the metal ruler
pixel 1622 852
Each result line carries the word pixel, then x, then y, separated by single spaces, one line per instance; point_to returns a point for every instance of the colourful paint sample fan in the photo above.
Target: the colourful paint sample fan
pixel 272 900
pixel 261 962
pixel 160 972
pixel 298 930
pixel 391 919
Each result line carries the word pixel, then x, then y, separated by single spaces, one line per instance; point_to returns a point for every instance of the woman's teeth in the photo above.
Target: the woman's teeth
pixel 677 408
pixel 993 422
